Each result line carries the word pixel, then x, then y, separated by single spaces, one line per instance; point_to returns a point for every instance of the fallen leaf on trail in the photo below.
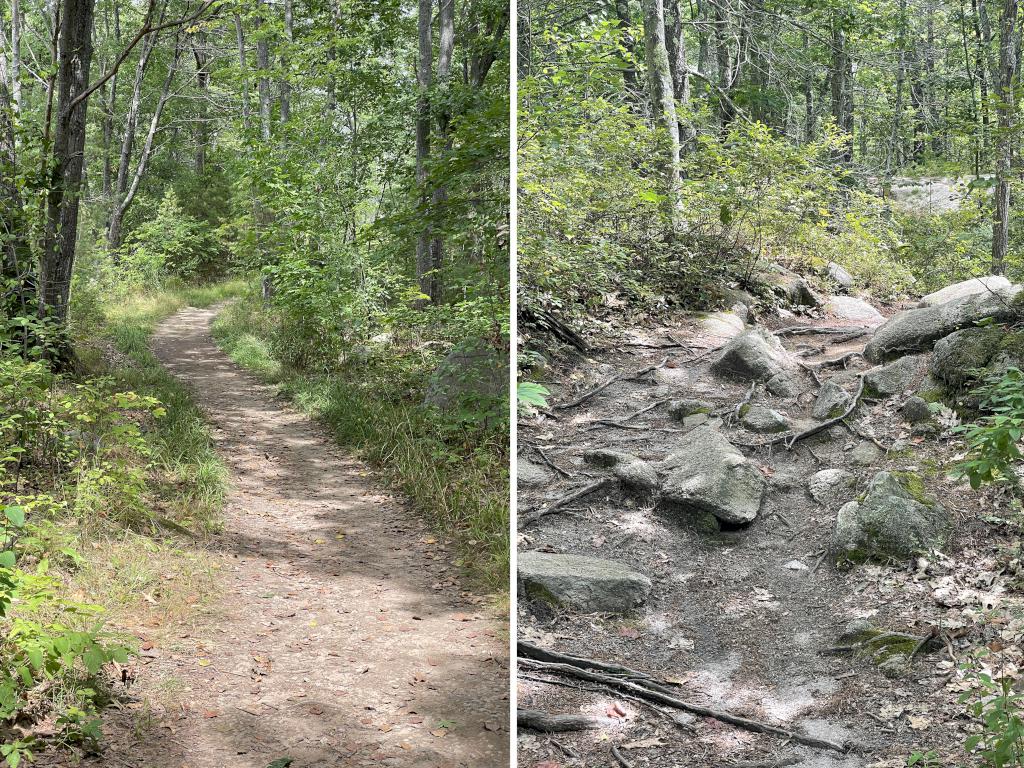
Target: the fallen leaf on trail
pixel 616 710
pixel 919 722
pixel 631 632
pixel 204 662
pixel 491 726
pixel 387 727
pixel 211 713
pixel 548 764
pixel 439 732
pixel 146 646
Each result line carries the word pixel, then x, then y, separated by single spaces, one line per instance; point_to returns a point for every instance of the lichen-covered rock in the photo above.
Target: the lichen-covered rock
pixel 832 401
pixel 893 379
pixel 830 487
pixel 761 418
pixel 579 583
pixel 916 330
pixel 630 470
pixel 788 286
pixel 985 284
pixel 959 355
pixel 680 409
pixel 894 519
pixel 854 310
pixel 708 474
pixel 864 454
pixel 755 355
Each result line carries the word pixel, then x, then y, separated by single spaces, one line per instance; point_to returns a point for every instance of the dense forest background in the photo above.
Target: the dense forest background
pixel 338 169
pixel 667 147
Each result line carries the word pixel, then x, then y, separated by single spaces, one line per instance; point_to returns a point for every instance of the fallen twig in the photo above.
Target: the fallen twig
pixel 619 758
pixel 546 722
pixel 579 493
pixel 805 330
pixel 550 463
pixel 676 703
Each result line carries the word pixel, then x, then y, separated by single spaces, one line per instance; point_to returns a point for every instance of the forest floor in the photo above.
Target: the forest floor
pixel 742 620
pixel 340 634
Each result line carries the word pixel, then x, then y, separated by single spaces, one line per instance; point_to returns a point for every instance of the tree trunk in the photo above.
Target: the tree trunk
pixel 16 55
pixel 810 124
pixel 202 59
pixel 1006 107
pixel 240 40
pixel 424 78
pixel 659 76
pixel 445 51
pixel 124 203
pixel 263 83
pixel 61 229
pixel 285 86
pixel 723 57
pixel 625 24
pixel 842 87
pixel 678 62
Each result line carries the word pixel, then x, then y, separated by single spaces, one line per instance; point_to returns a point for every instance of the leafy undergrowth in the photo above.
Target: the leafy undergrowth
pixel 97 471
pixel 454 468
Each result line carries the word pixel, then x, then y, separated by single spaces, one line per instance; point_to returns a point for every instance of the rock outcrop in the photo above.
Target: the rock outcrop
pixel 754 355
pixel 894 519
pixel 987 284
pixel 895 378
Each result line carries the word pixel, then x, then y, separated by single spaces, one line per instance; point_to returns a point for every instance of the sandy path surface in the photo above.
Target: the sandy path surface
pixel 342 637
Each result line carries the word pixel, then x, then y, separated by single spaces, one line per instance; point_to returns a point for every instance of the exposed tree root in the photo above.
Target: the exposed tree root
pixel 579 493
pixel 611 380
pixel 671 701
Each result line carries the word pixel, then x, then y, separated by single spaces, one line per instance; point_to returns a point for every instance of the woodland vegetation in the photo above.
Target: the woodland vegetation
pixel 338 166
pixel 709 135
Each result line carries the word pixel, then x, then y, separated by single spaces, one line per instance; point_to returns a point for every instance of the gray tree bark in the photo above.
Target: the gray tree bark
pixel 659 75
pixel 424 79
pixel 1006 108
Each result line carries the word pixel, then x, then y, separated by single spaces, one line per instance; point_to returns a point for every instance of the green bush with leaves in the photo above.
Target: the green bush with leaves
pixel 993 441
pixel 170 243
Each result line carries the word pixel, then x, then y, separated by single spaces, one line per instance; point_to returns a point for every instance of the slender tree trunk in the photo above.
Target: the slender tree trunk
pixel 659 76
pixel 424 78
pixel 625 24
pixel 285 86
pixel 61 228
pixel 723 59
pixel 678 62
pixel 810 124
pixel 202 59
pixel 263 82
pixel 1006 108
pixel 895 154
pixel 243 68
pixel 445 51
pixel 15 75
pixel 124 202
pixel 842 86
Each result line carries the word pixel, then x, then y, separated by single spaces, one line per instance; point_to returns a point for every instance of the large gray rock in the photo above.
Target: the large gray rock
pixel 708 474
pixel 474 373
pixel 894 378
pixel 755 355
pixel 917 330
pixel 975 285
pixel 831 486
pixel 586 584
pixel 895 519
pixel 761 418
pixel 854 310
pixel 832 401
pixel 838 275
pixel 631 471
pixel 722 325
pixel 959 355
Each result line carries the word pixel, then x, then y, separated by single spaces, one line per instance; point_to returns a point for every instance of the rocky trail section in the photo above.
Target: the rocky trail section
pixel 341 638
pixel 745 539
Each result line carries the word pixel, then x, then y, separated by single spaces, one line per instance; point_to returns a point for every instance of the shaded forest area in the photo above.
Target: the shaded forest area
pixel 338 171
pixel 713 135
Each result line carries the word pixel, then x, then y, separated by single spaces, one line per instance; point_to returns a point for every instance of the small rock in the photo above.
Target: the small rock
pixel 894 666
pixel 796 565
pixel 680 409
pixel 830 487
pixel 832 401
pixel 529 473
pixel 581 583
pixel 761 418
pixel 839 276
pixel 916 410
pixel 696 420
pixel 783 385
pixel 864 454
pixel 893 379
pixel 631 471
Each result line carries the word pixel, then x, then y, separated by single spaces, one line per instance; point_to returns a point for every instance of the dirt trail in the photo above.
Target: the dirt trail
pixel 341 638
pixel 737 619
